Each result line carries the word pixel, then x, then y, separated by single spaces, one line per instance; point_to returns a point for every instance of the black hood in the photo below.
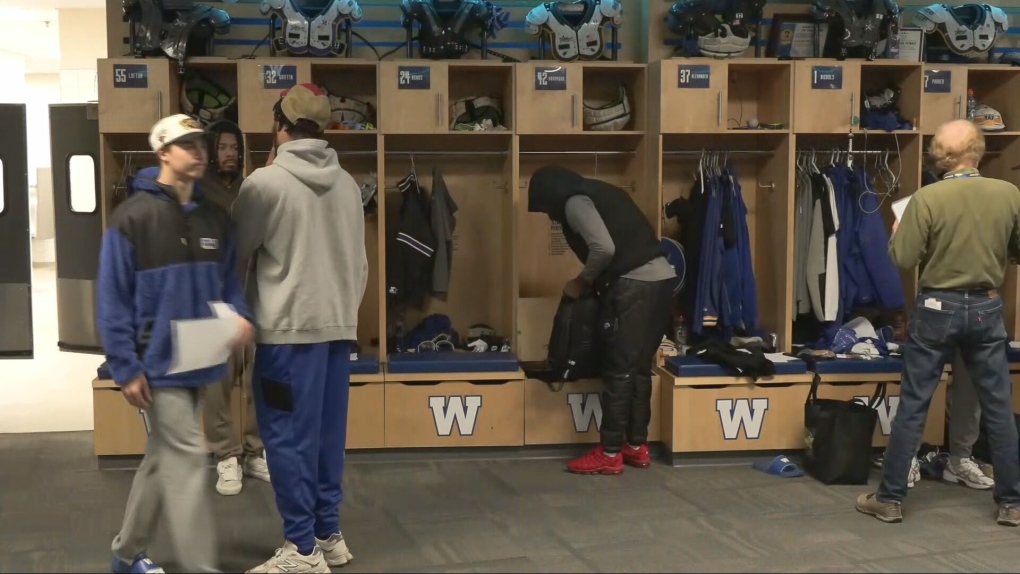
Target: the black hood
pixel 550 188
pixel 217 128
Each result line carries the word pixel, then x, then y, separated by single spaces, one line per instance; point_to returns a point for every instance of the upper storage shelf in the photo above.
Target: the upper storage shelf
pixel 430 97
pixel 571 98
pixel 699 95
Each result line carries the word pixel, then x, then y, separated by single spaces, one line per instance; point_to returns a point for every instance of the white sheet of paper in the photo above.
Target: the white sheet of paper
pixel 1014 344
pixel 899 207
pixel 779 358
pixel 203 343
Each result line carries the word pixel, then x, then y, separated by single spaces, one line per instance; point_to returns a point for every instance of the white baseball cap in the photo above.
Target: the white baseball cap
pixel 173 128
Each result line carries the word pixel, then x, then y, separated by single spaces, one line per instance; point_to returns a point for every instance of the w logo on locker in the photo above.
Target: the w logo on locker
pixel 460 410
pixel 585 408
pixel 748 414
pixel 886 411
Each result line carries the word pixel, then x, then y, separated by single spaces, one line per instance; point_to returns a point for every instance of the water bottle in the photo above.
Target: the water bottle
pixel 971 105
pixel 681 333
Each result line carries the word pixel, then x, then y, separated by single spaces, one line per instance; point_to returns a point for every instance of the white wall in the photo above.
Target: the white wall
pixel 41 90
pixel 82 35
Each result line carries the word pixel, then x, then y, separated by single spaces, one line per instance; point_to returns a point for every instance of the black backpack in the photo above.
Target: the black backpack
pixel 573 345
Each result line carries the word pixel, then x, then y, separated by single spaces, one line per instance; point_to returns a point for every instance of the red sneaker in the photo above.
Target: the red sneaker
pixel 637 458
pixel 596 462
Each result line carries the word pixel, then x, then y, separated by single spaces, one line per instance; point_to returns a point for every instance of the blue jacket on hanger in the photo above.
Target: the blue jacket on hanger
pixel 878 280
pixel 867 277
pixel 726 296
pixel 706 302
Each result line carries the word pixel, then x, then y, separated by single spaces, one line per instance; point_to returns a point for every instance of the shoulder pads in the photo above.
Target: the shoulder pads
pixel 929 17
pixel 999 17
pixel 612 10
pixel 535 19
pixel 407 10
pixel 479 9
pixel 822 10
pixel 219 18
pixel 268 6
pixel 351 9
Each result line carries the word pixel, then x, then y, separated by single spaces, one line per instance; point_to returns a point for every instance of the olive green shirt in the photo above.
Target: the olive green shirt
pixel 224 195
pixel 961 231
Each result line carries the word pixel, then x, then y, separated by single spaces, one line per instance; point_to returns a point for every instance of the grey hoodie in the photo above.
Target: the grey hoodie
pixel 302 222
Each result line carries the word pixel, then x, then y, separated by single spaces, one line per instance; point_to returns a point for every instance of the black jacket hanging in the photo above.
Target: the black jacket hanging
pixel 410 250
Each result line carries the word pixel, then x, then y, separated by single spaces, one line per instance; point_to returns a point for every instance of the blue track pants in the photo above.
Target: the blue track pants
pixel 301 396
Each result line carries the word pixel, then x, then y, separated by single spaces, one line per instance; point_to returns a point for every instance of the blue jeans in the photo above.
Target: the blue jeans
pixel 940 323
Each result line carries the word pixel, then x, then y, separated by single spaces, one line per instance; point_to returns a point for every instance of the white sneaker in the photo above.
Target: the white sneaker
pixel 915 473
pixel 967 473
pixel 288 559
pixel 257 467
pixel 335 549
pixel 229 481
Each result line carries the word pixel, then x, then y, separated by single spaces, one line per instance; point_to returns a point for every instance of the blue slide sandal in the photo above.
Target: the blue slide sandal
pixel 779 466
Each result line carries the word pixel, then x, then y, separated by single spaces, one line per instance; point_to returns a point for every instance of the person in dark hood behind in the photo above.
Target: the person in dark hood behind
pixel 234 458
pixel 624 266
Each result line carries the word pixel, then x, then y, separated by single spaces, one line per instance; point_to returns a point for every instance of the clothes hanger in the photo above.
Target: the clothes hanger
pixel 414 170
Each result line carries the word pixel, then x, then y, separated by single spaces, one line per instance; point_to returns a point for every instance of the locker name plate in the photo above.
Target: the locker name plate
pixel 694 77
pixel 131 76
pixel 826 77
pixel 550 79
pixel 414 78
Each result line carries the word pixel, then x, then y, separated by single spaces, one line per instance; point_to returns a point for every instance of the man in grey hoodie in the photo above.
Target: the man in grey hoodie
pixel 300 221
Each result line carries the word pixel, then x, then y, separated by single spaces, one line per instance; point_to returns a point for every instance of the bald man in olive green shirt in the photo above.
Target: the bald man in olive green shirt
pixel 961 232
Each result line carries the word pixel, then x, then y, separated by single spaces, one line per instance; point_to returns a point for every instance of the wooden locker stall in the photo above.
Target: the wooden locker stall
pixel 761 159
pixel 746 126
pixel 437 396
pixel 551 101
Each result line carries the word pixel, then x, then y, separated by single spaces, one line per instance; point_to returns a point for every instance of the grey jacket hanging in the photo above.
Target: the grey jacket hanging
pixel 444 222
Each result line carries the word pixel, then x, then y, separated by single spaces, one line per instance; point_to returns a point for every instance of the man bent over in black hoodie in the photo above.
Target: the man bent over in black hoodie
pixel 625 268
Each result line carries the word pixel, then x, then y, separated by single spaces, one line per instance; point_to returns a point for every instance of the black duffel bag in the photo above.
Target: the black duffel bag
pixel 838 437
pixel 573 345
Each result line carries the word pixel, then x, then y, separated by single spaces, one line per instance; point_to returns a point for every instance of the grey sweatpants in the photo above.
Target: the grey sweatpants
pixel 172 483
pixel 964 412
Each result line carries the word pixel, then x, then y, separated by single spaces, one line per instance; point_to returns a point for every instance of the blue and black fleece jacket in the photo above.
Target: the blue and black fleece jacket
pixel 160 262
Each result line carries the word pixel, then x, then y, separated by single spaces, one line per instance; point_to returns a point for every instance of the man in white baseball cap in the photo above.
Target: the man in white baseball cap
pixel 174 129
pixel 167 254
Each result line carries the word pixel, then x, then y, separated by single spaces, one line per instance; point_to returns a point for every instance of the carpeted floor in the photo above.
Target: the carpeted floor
pixel 59 512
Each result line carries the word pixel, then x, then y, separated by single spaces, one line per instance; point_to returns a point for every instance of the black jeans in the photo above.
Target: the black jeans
pixel 940 323
pixel 634 315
